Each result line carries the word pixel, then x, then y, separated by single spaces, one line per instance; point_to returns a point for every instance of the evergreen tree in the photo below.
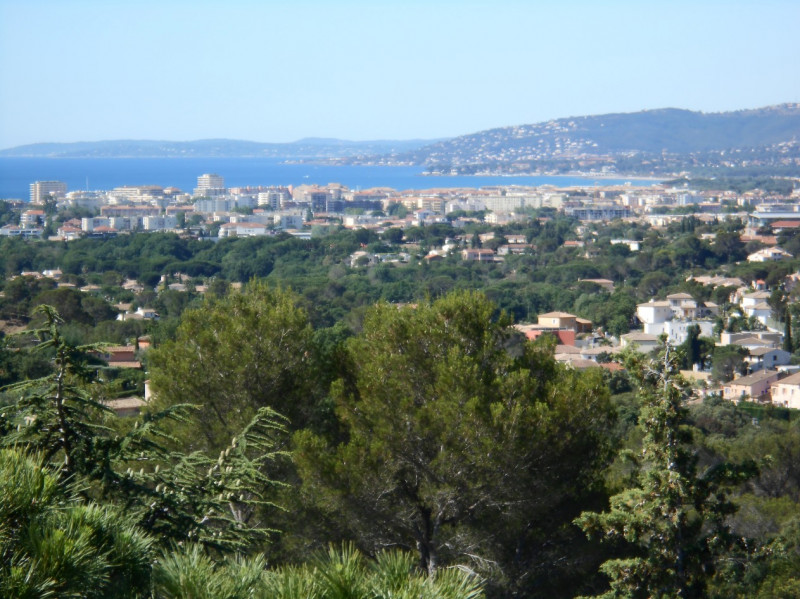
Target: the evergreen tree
pixel 788 345
pixel 460 442
pixel 674 518
pixel 235 355
pixel 53 543
pixel 175 495
pixel 692 346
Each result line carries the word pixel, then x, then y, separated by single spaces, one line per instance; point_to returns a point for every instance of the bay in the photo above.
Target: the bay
pixel 16 175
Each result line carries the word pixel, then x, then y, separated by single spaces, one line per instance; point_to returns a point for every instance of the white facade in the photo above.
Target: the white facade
pixel 767 358
pixel 89 224
pixel 159 223
pixel 210 185
pixel 654 312
pixel 761 312
pixel 769 255
pixel 41 189
pixel 677 330
pixel 289 221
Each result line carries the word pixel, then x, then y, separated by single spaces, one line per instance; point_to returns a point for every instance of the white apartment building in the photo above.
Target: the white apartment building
pixel 653 315
pixel 210 185
pixel 41 189
pixel 159 223
pixel 289 221
pixel 678 330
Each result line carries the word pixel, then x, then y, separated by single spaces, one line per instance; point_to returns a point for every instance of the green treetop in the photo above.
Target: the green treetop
pixel 673 519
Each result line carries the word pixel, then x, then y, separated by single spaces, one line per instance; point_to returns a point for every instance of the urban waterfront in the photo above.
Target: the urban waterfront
pixel 16 175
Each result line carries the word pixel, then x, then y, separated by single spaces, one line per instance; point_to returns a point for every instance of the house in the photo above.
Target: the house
pixel 753 387
pixel 564 320
pixel 121 356
pixel 558 320
pixel 642 341
pixel 683 305
pixel 562 325
pixel 762 312
pixel 752 343
pixel 678 330
pixel 478 255
pixel 653 315
pixel 593 353
pixel 52 273
pixel 534 331
pixel 140 314
pixel 69 233
pixel 606 284
pixel 18 231
pixel 786 392
pixel 751 299
pixel 31 218
pixel 717 281
pixel 514 248
pixel 749 338
pixel 126 406
pixel 772 254
pixel 147 313
pixel 131 285
pixel 761 358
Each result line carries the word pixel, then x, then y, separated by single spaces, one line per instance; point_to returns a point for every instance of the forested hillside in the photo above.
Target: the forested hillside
pixel 336 427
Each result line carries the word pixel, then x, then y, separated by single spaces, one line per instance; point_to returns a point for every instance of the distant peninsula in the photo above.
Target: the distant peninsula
pixel 304 149
pixel 761 142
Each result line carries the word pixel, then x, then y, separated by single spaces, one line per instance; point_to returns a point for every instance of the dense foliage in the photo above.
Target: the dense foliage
pixel 384 406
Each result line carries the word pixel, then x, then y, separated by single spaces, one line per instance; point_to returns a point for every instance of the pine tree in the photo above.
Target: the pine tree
pixel 176 496
pixel 674 518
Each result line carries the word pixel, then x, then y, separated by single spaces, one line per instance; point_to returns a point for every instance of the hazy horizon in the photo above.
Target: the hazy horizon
pixel 274 72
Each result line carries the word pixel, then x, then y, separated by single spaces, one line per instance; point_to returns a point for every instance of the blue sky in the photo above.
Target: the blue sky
pixel 85 70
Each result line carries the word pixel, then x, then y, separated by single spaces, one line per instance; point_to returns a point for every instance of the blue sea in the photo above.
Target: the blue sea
pixel 16 174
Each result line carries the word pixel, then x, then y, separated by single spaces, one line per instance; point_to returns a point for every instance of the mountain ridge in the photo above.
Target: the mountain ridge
pixel 677 138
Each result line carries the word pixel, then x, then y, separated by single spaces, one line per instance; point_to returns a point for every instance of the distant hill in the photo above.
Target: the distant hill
pixel 664 142
pixel 666 130
pixel 304 149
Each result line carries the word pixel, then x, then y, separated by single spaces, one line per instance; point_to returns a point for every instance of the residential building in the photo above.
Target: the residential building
pixel 210 185
pixel 478 255
pixel 534 331
pixel 653 315
pixel 514 248
pixel 677 331
pixel 31 218
pixel 753 387
pixel 642 341
pixel 786 392
pixel 558 320
pixel 41 189
pixel 606 284
pixel 767 358
pixel 243 229
pixel 159 223
pixel 769 255
pixel 768 338
pixel 17 231
pixel 761 312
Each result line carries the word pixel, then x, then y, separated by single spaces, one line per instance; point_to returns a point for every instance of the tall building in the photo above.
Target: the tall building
pixel 41 189
pixel 210 185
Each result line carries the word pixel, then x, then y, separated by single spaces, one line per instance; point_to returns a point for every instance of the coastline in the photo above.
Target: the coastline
pixel 581 175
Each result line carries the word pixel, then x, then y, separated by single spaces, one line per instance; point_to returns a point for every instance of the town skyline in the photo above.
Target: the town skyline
pixel 276 73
